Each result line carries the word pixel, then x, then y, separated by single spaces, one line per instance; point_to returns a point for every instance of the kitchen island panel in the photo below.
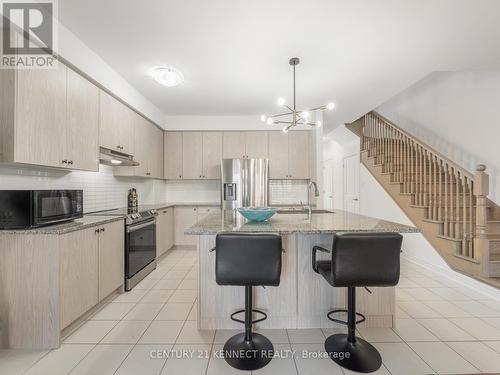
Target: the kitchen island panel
pixel 216 303
pixel 302 299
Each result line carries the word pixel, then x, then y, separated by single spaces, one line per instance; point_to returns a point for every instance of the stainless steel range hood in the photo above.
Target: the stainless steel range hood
pixel 116 158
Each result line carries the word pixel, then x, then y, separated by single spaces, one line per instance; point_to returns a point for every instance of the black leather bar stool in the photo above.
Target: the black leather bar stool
pixel 248 260
pixel 358 260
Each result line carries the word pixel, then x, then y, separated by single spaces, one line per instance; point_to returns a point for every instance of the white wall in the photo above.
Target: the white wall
pixel 457 113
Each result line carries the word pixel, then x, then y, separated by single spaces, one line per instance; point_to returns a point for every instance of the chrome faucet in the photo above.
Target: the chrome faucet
pixel 316 194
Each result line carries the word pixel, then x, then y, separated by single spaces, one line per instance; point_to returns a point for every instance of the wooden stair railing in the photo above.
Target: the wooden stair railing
pixel 449 194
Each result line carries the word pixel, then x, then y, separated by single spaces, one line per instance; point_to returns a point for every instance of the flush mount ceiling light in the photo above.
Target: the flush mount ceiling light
pixel 166 75
pixel 298 117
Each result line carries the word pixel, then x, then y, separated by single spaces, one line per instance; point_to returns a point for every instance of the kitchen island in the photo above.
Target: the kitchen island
pixel 303 297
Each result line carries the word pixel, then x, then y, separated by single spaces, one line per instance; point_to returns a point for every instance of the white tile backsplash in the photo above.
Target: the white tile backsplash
pixel 201 191
pixel 287 192
pixel 101 190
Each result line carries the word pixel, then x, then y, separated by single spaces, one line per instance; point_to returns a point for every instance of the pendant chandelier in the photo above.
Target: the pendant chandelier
pixel 298 117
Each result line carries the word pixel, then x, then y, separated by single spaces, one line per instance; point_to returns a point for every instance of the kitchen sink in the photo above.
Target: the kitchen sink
pixel 301 211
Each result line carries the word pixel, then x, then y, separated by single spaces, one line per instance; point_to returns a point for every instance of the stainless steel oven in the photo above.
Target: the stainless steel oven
pixel 36 208
pixel 140 249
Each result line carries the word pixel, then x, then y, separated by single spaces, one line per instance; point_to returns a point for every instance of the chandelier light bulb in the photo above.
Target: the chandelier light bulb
pixel 290 115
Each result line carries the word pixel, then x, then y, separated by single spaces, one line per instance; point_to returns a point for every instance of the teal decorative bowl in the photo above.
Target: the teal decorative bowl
pixel 257 213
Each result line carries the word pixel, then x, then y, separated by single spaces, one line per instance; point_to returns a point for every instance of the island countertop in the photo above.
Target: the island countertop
pixel 288 223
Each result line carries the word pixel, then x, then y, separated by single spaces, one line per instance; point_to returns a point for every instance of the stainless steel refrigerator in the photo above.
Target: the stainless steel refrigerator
pixel 244 183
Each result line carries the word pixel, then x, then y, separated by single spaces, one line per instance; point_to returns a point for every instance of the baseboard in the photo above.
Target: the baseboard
pixel 467 281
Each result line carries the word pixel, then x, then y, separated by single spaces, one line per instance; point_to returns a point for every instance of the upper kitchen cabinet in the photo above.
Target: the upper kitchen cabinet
pixel 239 145
pixel 40 116
pixel 172 155
pixel 289 155
pixel 192 155
pixel 148 150
pixel 278 155
pixel 212 154
pixel 299 154
pixel 116 125
pixel 156 136
pixel 142 148
pixel 233 145
pixel 82 123
pixel 256 145
pixel 48 118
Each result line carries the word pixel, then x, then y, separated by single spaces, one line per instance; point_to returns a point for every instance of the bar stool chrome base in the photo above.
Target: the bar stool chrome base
pixel 362 357
pixel 248 355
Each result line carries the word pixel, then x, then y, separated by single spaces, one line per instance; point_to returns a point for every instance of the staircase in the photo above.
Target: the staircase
pixel 448 203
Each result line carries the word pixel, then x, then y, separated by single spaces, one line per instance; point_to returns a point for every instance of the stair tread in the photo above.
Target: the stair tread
pixel 449 238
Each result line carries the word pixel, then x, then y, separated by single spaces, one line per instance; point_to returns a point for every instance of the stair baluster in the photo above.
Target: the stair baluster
pixel 481 244
pixel 450 196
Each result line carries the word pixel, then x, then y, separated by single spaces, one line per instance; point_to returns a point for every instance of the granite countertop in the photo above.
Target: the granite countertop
pixel 97 218
pixel 158 206
pixel 288 223
pixel 87 221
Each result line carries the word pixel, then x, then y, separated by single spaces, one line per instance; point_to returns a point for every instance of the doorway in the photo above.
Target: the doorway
pixel 328 188
pixel 350 167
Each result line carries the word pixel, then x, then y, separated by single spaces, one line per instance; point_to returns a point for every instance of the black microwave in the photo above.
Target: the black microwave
pixel 35 208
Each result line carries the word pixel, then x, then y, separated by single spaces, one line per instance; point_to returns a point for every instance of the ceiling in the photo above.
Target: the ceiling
pixel 234 53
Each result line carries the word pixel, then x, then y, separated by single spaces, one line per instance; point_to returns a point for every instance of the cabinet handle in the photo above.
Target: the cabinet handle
pixel 103 229
pixel 96 231
pixel 70 161
pixel 194 209
pixel 165 212
pixel 200 175
pixel 203 176
pixel 180 176
pixel 64 161
pixel 148 173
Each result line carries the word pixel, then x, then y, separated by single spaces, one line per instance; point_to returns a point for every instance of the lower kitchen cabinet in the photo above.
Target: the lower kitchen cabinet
pixel 164 230
pixel 203 212
pixel 91 268
pixel 184 218
pixel 79 270
pixel 111 258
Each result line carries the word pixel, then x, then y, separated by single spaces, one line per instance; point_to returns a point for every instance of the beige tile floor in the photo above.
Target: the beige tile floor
pixel 442 327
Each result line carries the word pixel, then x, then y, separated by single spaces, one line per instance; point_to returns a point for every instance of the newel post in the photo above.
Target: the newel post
pixel 481 242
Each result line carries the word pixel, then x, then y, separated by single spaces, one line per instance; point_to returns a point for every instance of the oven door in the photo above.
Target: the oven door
pixel 53 206
pixel 140 246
